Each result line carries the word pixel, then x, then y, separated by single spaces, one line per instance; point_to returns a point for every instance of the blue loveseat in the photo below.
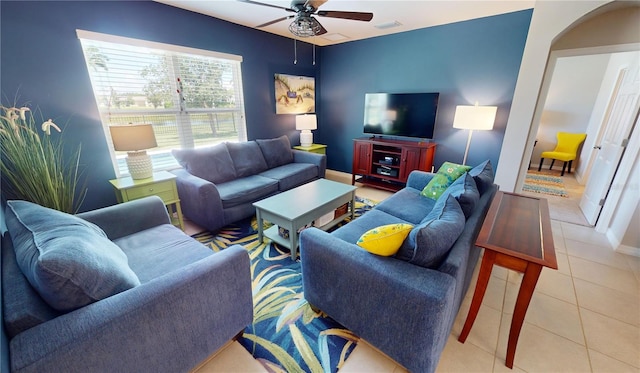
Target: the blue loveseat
pixel 218 185
pixel 117 289
pixel 404 305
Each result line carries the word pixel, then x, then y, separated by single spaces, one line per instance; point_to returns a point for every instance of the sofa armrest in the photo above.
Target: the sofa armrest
pixel 320 160
pixel 169 324
pixel 139 214
pixel 419 179
pixel 368 294
pixel 200 200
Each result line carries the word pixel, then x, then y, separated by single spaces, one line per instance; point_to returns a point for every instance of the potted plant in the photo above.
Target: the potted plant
pixel 33 165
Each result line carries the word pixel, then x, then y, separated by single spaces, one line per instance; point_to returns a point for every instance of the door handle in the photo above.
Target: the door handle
pixel 597 147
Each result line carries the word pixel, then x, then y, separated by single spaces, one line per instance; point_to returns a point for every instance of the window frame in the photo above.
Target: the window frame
pixel 182 114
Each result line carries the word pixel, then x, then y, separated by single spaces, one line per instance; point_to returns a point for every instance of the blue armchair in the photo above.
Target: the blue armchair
pixel 189 302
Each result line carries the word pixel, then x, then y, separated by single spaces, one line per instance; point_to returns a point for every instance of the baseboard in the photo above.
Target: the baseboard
pixel 340 176
pixel 619 247
pixel 558 168
pixel 629 250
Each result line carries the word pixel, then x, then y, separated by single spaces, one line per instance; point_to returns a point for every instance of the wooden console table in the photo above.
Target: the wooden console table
pixel 516 234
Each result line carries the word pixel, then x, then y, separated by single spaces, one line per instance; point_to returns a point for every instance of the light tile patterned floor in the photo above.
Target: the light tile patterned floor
pixel 584 317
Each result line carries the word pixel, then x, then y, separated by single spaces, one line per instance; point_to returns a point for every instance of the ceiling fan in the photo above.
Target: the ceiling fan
pixel 304 24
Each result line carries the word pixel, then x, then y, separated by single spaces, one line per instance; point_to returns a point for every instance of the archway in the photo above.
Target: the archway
pixel 558 26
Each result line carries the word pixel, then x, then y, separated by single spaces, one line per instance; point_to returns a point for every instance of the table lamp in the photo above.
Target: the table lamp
pixel 474 118
pixel 135 139
pixel 305 123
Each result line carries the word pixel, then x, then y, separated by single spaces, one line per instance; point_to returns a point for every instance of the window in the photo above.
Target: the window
pixel 191 97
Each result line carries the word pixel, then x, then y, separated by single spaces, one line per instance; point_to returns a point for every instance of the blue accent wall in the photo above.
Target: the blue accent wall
pixel 42 62
pixel 476 60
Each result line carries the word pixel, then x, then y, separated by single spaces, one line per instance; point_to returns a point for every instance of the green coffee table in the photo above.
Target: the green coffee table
pixel 297 207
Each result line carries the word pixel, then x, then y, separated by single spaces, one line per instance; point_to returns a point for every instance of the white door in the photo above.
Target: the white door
pixel 622 112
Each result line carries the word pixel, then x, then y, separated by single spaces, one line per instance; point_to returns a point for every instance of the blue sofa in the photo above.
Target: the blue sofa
pixel 132 292
pixel 404 305
pixel 218 185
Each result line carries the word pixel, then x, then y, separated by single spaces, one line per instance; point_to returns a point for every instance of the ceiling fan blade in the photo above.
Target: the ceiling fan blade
pixel 356 16
pixel 274 21
pixel 269 5
pixel 322 29
pixel 315 3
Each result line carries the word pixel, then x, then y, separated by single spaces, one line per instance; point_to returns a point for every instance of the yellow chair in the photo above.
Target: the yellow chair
pixel 566 150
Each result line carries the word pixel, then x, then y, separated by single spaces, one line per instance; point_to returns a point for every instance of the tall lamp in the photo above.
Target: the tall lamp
pixel 135 139
pixel 474 118
pixel 305 123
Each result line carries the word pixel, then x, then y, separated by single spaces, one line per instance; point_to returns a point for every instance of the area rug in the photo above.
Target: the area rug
pixel 286 334
pixel 544 184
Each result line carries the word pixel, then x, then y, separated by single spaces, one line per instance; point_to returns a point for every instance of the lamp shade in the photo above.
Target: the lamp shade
pixel 133 137
pixel 474 117
pixel 306 122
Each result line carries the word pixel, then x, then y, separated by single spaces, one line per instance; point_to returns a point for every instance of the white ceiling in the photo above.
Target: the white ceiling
pixel 411 15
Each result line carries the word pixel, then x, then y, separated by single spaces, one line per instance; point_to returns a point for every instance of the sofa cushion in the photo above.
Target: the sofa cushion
pixel 247 158
pixel 407 204
pixel 291 175
pixel 483 175
pixel 23 308
pixel 159 250
pixel 384 240
pixel 246 190
pixel 429 242
pixel 356 228
pixel 446 175
pixel 212 163
pixel 276 152
pixel 465 192
pixel 69 261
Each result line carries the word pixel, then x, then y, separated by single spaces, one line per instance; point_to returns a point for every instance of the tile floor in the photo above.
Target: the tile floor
pixel 584 317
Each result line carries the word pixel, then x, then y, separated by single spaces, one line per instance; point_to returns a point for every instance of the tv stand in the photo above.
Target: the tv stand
pixel 386 164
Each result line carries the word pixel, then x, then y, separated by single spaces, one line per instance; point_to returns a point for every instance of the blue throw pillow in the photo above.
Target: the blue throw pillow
pixel 430 241
pixel 247 158
pixel 483 175
pixel 212 163
pixel 276 152
pixel 465 192
pixel 69 261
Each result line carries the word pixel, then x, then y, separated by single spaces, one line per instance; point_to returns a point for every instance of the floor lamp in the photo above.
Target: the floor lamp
pixel 474 118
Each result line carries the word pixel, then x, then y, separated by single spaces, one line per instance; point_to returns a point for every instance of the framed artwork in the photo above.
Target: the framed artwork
pixel 295 94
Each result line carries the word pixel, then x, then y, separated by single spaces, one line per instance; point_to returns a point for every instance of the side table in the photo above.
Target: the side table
pixel 314 148
pixel 516 234
pixel 161 184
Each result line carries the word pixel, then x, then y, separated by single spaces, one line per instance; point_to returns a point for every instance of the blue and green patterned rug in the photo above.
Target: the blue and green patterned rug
pixel 286 335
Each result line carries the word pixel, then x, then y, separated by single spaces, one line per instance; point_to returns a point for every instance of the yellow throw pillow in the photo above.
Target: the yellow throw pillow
pixel 385 240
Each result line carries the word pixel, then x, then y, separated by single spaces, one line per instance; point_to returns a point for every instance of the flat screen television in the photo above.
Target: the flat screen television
pixel 401 114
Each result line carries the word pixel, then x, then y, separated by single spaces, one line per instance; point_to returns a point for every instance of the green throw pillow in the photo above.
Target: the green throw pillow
pixel 446 175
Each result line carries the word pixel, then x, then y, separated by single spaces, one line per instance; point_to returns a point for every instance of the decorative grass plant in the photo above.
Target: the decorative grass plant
pixel 34 166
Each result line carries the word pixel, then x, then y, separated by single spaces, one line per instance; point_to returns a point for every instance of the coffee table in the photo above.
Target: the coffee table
pixel 299 206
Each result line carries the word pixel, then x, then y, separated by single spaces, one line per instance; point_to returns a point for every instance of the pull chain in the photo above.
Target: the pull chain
pixel 314 54
pixel 295 52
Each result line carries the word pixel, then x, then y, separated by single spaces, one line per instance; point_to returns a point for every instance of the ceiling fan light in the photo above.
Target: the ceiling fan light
pixel 305 26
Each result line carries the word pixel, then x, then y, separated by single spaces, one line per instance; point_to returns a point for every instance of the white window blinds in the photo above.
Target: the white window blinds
pixel 191 97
